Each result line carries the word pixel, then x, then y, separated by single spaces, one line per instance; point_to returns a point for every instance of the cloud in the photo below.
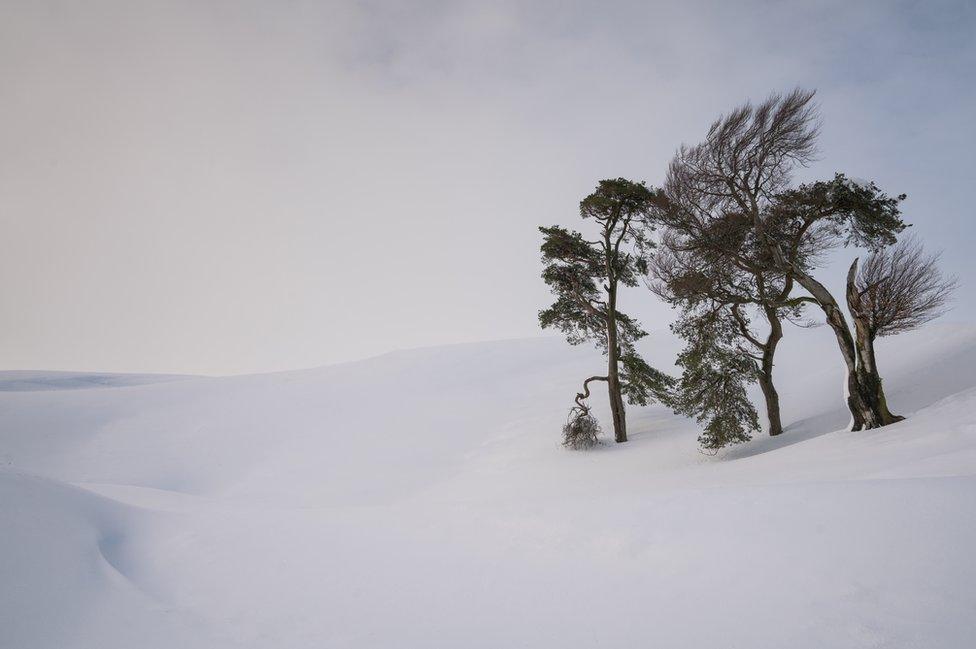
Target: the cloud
pixel 243 186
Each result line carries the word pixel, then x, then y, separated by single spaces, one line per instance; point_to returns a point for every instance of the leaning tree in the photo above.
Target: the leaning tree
pixel 897 290
pixel 743 170
pixel 586 277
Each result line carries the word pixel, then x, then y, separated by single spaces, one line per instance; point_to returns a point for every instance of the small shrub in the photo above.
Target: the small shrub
pixel 581 431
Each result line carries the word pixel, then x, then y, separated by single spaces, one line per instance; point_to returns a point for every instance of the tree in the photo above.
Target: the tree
pixel 898 289
pixel 586 277
pixel 742 172
pixel 712 387
pixel 689 276
pixel 839 212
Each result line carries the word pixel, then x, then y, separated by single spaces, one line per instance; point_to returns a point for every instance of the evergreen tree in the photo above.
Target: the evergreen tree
pixel 712 387
pixel 586 277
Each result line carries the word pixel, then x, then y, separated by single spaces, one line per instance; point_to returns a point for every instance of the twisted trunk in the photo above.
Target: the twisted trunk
pixel 864 416
pixel 585 394
pixel 869 379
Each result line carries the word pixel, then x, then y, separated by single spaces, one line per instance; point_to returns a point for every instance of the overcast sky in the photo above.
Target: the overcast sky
pixel 225 187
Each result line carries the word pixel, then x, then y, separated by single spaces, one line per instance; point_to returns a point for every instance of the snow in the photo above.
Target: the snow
pixel 421 499
pixel 858 183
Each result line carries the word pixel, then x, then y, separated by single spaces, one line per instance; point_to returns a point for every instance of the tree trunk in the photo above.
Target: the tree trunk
pixel 770 394
pixel 613 371
pixel 864 416
pixel 617 407
pixel 868 376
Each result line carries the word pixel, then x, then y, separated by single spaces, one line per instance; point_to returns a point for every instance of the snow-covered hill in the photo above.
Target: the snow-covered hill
pixel 421 499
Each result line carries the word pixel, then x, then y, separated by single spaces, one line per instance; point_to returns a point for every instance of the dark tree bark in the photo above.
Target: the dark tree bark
pixel 770 395
pixel 581 397
pixel 767 351
pixel 613 371
pixel 862 412
pixel 898 289
pixel 868 376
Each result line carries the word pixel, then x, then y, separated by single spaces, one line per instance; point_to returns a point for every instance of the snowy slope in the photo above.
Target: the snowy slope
pixel 421 499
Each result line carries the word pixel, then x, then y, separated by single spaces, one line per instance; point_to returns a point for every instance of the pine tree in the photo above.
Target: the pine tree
pixel 712 387
pixel 586 277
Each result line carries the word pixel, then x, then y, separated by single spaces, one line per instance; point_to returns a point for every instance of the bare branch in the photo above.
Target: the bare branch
pixel 901 288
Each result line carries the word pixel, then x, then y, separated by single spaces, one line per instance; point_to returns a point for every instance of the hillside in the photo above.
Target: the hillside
pixel 421 499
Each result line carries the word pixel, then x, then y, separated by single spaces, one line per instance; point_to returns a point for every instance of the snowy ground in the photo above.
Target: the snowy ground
pixel 421 499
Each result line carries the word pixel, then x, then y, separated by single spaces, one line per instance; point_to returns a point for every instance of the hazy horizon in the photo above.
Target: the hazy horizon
pixel 237 187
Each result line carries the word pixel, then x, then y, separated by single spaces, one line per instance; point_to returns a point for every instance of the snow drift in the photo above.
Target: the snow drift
pixel 421 499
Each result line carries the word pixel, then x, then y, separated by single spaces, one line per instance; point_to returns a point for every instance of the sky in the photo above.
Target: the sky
pixel 230 187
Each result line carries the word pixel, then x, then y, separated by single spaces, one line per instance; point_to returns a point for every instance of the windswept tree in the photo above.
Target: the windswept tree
pixel 586 277
pixel 898 289
pixel 742 172
pixel 837 212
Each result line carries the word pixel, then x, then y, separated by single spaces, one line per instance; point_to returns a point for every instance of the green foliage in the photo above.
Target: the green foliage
pixel 585 275
pixel 573 268
pixel 620 206
pixel 712 387
pixel 617 196
pixel 850 212
pixel 641 384
pixel 569 248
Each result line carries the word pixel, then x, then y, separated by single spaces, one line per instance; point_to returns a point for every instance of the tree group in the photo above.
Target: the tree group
pixel 735 246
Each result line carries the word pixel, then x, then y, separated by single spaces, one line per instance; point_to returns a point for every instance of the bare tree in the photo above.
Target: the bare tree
pixel 898 289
